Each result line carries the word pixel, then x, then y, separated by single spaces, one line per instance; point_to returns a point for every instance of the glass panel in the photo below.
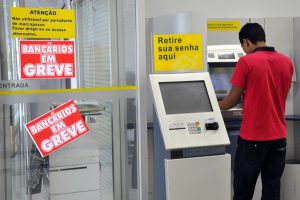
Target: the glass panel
pixel 24 174
pixel 82 169
pixel 127 59
pixel 16 148
pixel 9 47
pixel 94 45
pixel 131 165
pixel 2 155
pixel 127 41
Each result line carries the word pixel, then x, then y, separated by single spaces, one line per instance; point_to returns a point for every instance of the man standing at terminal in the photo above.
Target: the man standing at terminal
pixel 263 77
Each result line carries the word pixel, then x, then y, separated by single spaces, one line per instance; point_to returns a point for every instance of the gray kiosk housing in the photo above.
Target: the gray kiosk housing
pixel 189 139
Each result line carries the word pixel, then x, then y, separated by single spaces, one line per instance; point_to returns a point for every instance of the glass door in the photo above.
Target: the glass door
pixel 101 164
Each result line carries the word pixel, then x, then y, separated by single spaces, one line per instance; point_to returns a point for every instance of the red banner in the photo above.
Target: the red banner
pixel 57 127
pixel 47 59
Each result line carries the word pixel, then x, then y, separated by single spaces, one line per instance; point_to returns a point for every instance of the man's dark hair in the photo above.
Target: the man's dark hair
pixel 252 31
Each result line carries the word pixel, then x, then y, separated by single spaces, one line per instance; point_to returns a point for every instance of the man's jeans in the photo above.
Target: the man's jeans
pixel 252 158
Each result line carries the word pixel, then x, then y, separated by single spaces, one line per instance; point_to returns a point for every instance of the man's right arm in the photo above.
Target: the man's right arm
pixel 232 99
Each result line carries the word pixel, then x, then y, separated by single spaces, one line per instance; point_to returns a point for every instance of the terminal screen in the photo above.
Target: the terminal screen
pixel 220 77
pixel 185 97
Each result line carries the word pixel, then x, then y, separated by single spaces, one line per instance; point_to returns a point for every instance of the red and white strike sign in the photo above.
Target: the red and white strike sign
pixel 57 127
pixel 47 59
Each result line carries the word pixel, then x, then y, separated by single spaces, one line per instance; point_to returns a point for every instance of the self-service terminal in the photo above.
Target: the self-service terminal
pixel 221 60
pixel 189 139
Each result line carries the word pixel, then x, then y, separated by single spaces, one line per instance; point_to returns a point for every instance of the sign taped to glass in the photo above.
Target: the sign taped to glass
pixel 47 59
pixel 57 127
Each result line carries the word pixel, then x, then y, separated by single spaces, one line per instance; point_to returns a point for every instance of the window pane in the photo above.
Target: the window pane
pixel 94 43
pixel 82 169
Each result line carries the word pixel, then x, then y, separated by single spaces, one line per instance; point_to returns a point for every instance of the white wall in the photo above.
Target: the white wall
pixel 221 8
pixel 297 64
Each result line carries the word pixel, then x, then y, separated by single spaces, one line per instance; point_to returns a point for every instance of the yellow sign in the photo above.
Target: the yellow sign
pixel 42 23
pixel 223 25
pixel 173 52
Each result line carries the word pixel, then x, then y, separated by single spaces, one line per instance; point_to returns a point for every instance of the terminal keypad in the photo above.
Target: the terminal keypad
pixel 194 127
